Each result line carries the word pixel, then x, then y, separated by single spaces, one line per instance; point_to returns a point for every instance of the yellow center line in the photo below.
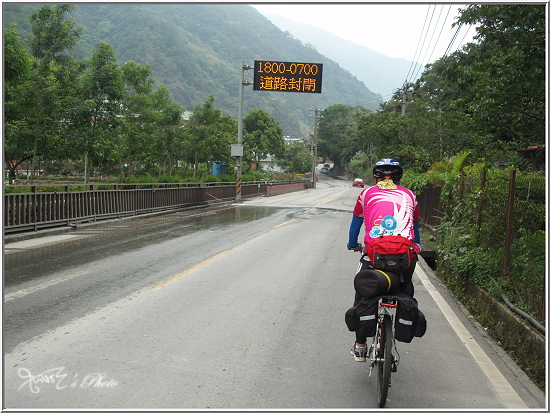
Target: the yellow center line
pixel 323 203
pixel 183 274
pixel 313 207
pixel 284 223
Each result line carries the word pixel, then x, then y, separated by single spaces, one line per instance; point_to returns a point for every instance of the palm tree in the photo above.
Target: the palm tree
pixel 445 171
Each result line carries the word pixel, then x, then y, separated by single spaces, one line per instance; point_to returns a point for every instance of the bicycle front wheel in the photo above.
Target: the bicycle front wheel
pixel 384 361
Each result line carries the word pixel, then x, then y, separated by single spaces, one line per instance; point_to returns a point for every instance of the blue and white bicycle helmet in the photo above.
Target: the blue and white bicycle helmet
pixel 387 166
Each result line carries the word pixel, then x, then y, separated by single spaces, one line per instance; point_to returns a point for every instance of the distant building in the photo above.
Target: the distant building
pixel 536 156
pixel 289 140
pixel 269 165
pixel 186 115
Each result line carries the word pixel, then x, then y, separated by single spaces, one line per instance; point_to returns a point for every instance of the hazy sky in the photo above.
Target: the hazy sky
pixel 421 32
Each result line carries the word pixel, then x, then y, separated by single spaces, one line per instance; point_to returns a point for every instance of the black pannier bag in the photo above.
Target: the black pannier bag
pixel 421 326
pixel 409 321
pixel 362 317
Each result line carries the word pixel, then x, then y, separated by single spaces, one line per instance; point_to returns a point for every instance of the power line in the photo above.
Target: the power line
pixel 453 39
pixel 446 41
pixel 429 43
pixel 418 44
pixel 439 36
pixel 429 31
pixel 424 40
pixel 465 34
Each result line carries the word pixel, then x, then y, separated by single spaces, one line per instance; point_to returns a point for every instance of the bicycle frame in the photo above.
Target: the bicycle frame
pixel 382 352
pixel 387 305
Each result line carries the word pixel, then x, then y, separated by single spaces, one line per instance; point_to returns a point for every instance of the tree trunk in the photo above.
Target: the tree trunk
pixel 86 168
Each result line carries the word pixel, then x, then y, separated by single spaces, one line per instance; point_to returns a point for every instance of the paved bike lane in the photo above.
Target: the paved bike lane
pixel 453 322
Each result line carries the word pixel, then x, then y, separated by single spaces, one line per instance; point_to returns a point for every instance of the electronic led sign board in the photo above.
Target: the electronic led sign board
pixel 288 76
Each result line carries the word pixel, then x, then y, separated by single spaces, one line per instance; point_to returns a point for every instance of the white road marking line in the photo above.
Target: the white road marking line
pixel 27 291
pixel 506 391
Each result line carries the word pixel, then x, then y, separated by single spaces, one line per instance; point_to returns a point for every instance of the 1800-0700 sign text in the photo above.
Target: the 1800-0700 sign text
pixel 288 76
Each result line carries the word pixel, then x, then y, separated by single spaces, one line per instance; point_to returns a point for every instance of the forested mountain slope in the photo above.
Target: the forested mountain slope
pixel 196 50
pixel 381 74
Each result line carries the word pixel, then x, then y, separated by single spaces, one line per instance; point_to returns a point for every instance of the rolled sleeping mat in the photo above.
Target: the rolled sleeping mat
pixel 372 283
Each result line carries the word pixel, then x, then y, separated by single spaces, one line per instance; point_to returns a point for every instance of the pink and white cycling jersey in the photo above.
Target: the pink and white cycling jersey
pixel 387 212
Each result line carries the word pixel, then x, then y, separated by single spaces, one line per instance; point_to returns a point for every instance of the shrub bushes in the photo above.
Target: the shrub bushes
pixel 471 238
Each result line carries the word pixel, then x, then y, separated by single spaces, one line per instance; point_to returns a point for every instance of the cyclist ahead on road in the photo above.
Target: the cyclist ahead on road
pixel 386 208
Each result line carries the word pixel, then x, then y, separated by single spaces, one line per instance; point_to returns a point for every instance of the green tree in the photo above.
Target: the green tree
pixel 488 97
pixel 37 94
pixel 296 158
pixel 262 136
pixel 361 166
pixel 338 136
pixel 98 108
pixel 17 60
pixel 498 83
pixel 17 71
pixel 420 136
pixel 137 115
pixel 53 33
pixel 168 136
pixel 509 68
pixel 382 131
pixel 208 136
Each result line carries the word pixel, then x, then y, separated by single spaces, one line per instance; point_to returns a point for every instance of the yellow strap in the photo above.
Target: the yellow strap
pixel 388 277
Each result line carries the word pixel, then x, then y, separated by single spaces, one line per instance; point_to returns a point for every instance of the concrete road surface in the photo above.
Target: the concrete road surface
pixel 239 307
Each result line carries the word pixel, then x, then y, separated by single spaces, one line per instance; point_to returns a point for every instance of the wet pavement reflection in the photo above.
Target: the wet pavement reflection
pixel 104 240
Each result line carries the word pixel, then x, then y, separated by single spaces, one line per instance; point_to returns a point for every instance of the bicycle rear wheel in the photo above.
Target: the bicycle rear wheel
pixel 384 367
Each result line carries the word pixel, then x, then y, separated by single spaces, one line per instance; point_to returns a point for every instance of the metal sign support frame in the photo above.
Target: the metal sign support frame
pixel 239 147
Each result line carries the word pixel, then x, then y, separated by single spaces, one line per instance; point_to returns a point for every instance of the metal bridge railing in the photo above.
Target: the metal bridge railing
pixel 34 210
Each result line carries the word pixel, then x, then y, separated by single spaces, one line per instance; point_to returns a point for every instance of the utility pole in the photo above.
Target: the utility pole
pixel 315 159
pixel 370 153
pixel 237 150
pixel 405 103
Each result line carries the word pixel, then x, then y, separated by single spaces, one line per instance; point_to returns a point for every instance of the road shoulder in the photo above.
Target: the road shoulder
pixel 531 395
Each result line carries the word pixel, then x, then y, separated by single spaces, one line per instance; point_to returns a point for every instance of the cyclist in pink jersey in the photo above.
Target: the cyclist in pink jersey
pixel 387 211
pixel 386 208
